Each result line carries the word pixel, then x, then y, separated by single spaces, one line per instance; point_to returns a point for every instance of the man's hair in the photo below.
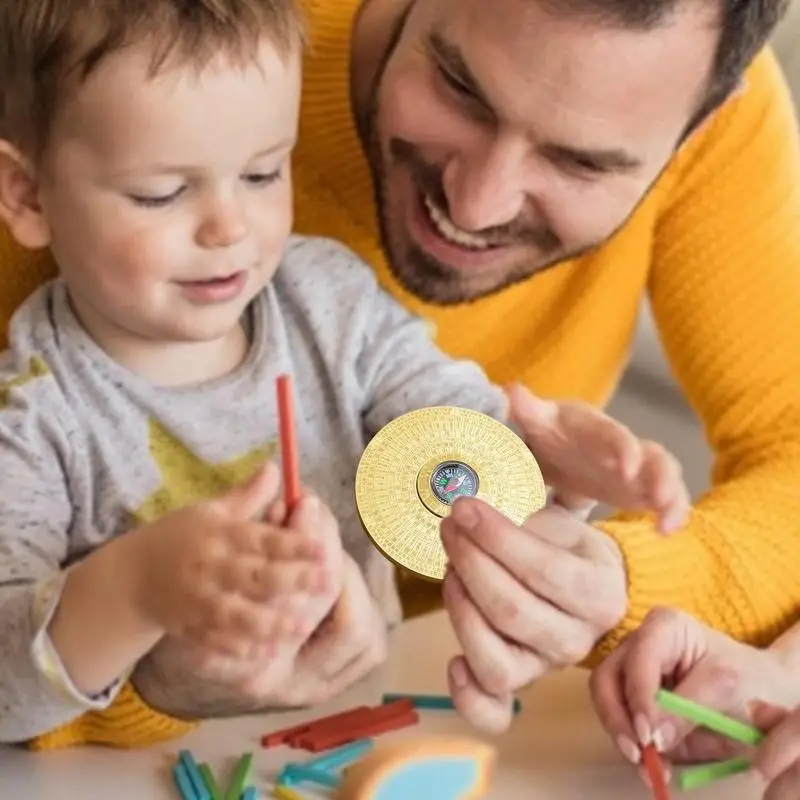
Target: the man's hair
pixel 745 28
pixel 49 46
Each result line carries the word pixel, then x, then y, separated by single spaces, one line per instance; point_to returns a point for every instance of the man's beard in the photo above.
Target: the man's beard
pixel 420 273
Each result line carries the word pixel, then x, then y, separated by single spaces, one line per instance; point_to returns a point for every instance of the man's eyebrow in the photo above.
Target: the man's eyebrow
pixel 610 160
pixel 450 57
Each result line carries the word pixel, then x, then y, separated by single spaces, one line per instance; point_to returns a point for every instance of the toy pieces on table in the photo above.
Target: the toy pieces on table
pixel 286 735
pixel 345 727
pixel 424 768
pixel 374 725
pixel 438 702
pixel 189 779
pixel 240 776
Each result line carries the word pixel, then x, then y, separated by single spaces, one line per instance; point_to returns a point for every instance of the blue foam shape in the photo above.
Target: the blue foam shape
pixel 250 793
pixel 183 782
pixel 447 778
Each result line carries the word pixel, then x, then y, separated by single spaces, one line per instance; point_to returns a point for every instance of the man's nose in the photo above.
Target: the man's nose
pixel 484 189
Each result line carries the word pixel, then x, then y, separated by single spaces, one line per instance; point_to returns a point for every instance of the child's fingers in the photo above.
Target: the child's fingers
pixel 260 580
pixel 284 545
pixel 602 439
pixel 313 516
pixel 276 512
pixel 662 486
pixel 676 513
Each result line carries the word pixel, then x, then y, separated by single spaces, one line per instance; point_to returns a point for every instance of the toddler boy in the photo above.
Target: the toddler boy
pixel 147 145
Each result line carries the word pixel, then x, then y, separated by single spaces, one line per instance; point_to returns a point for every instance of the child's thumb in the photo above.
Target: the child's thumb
pixel 249 500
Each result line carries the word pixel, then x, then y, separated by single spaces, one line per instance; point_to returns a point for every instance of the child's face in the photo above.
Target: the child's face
pixel 168 199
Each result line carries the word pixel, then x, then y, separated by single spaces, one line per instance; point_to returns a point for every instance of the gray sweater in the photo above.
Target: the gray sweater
pixel 89 450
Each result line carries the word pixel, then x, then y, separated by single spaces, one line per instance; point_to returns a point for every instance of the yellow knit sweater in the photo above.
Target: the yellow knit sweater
pixel 715 246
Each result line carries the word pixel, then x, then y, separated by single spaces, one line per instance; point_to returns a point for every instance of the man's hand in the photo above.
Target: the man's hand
pixel 523 601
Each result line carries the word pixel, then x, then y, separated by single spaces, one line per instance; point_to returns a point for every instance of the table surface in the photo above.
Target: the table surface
pixel 555 749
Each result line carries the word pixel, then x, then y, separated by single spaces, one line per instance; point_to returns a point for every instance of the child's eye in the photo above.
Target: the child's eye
pixel 156 201
pixel 264 178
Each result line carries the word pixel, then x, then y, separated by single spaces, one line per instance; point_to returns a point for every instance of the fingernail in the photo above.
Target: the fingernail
pixel 628 749
pixel 312 505
pixel 464 514
pixel 664 737
pixel 643 731
pixel 458 672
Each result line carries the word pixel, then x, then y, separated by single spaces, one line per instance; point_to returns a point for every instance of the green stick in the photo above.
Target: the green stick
pixel 211 784
pixel 708 718
pixel 695 777
pixel 240 777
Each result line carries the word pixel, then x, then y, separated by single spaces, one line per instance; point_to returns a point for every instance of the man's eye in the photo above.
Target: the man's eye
pixel 454 83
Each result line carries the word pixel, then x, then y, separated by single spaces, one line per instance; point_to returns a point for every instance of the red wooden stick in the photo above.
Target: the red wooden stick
pixel 655 772
pixel 289 460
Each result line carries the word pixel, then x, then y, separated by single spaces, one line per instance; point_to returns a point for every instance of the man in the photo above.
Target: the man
pixel 538 169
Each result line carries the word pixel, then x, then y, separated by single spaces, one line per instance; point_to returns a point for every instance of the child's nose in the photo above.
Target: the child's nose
pixel 224 225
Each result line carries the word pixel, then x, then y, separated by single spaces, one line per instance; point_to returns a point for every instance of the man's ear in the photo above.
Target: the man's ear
pixel 19 199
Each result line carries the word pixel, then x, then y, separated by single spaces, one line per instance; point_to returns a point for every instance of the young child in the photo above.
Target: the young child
pixel 147 145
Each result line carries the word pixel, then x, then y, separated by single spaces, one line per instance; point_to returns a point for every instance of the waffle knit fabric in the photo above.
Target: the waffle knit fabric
pixel 715 246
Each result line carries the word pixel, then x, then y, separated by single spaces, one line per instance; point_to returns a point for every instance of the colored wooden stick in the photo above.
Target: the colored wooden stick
pixel 288 443
pixel 708 718
pixel 655 772
pixel 702 775
pixel 183 782
pixel 210 782
pixel 193 773
pixel 336 759
pixel 240 777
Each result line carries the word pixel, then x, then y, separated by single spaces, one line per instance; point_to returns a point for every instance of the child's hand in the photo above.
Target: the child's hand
pixel 182 679
pixel 216 575
pixel 588 457
pixel 675 650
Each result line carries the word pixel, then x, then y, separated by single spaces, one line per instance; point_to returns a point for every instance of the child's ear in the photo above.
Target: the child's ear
pixel 19 199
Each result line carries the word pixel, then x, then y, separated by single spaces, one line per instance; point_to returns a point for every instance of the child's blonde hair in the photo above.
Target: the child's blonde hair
pixel 50 46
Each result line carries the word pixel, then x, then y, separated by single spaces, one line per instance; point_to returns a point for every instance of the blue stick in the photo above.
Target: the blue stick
pixel 343 755
pixel 194 775
pixel 299 773
pixel 183 782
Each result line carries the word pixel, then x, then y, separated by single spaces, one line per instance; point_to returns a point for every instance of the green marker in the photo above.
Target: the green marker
pixel 695 777
pixel 708 718
pixel 240 777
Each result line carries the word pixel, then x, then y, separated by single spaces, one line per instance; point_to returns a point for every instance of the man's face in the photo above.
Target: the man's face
pixel 505 139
